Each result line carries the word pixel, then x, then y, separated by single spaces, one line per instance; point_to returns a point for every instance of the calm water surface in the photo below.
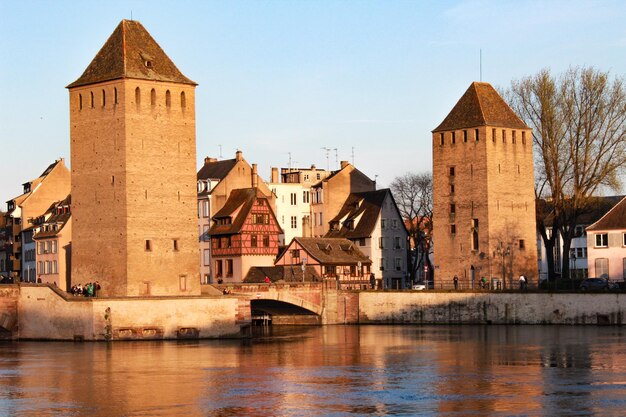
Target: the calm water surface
pixel 327 371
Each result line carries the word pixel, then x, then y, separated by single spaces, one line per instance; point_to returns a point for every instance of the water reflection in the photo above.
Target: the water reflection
pixel 319 371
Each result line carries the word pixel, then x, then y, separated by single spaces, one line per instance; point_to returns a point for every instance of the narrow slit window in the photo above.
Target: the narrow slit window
pixel 168 98
pixel 104 98
pixel 465 136
pixel 114 95
pixel 442 141
pixel 476 135
pixel 183 100
pixel 493 135
pixel 137 97
pixel 153 97
pixel 92 104
pixel 80 102
pixel 175 243
pixel 148 246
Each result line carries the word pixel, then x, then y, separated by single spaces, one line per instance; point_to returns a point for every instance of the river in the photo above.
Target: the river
pixel 326 371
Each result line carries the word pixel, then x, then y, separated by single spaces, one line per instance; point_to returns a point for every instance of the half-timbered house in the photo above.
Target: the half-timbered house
pixel 338 261
pixel 244 234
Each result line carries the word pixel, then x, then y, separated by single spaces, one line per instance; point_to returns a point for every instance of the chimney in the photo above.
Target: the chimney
pixel 255 176
pixel 274 178
pixel 208 160
pixel 239 156
pixel 344 164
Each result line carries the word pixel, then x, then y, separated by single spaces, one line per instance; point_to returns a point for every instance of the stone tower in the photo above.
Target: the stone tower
pixel 133 156
pixel 483 193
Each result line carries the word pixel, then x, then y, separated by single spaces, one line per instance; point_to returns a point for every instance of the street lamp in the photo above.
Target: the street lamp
pixel 501 251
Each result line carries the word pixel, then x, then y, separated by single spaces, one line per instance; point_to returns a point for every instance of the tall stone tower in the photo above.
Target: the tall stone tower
pixel 133 157
pixel 483 193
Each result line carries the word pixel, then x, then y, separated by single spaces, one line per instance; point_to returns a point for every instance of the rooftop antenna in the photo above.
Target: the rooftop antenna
pixel 327 152
pixel 220 151
pixel 131 15
pixel 336 158
pixel 375 179
pixel 481 65
pixel 289 165
pixel 353 155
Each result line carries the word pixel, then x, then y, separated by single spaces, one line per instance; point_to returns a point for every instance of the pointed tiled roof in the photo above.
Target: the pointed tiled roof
pixel 130 52
pixel 481 105
pixel 614 219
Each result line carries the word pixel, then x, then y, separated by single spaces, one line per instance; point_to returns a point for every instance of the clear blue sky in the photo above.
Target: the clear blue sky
pixel 281 76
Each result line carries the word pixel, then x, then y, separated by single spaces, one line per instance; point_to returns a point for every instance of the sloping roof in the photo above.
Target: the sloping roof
pixel 332 251
pixel 130 52
pixel 333 174
pixel 366 207
pixel 598 207
pixel 614 219
pixel 238 206
pixel 55 219
pixel 286 273
pixel 481 105
pixel 216 170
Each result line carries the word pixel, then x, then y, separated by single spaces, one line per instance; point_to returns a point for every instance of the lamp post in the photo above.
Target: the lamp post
pixel 501 251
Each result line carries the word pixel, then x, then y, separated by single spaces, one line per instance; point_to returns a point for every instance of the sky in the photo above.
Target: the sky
pixel 296 83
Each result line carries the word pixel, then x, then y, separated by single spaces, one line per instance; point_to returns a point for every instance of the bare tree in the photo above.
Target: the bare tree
pixel 579 131
pixel 414 196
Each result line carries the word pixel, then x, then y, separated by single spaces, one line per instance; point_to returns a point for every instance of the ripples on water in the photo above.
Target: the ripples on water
pixel 327 371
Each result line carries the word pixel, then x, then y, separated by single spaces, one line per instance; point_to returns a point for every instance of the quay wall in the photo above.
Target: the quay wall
pixel 431 307
pixel 43 313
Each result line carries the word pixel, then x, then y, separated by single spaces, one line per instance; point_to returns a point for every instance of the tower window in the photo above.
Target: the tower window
pixel 168 98
pixel 513 137
pixel 523 138
pixel 175 242
pixel 493 135
pixel 453 138
pixel 137 97
pixel 153 97
pixel 80 102
pixel 465 136
pixel 452 171
pixel 451 188
pixel 148 246
pixel 453 229
pixel 452 208
pixel 476 135
pixel 522 244
pixel 503 136
pixel 183 100
pixel 114 95
pixel 104 98
pixel 440 138
pixel 91 93
pixel 475 239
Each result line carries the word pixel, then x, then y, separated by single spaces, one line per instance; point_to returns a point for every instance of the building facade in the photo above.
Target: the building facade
pixel 606 242
pixel 53 240
pixel 329 195
pixel 133 150
pixel 372 221
pixel 52 185
pixel 244 234
pixel 483 193
pixel 216 180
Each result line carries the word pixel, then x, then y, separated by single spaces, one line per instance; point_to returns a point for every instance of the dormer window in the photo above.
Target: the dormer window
pixel 148 63
pixel 27 188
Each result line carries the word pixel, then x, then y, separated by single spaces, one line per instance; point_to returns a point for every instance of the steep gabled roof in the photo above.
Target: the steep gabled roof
pixel 216 170
pixel 481 105
pixel 238 207
pixel 332 251
pixel 597 207
pixel 613 219
pixel 364 207
pixel 130 52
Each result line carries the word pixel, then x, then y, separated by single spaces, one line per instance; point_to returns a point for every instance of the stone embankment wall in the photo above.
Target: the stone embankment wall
pixel 46 314
pixel 491 308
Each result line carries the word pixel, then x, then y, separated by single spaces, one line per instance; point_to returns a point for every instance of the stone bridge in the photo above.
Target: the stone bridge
pixel 297 303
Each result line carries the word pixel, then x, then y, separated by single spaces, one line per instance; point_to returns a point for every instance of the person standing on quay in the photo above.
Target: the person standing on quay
pixel 456 282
